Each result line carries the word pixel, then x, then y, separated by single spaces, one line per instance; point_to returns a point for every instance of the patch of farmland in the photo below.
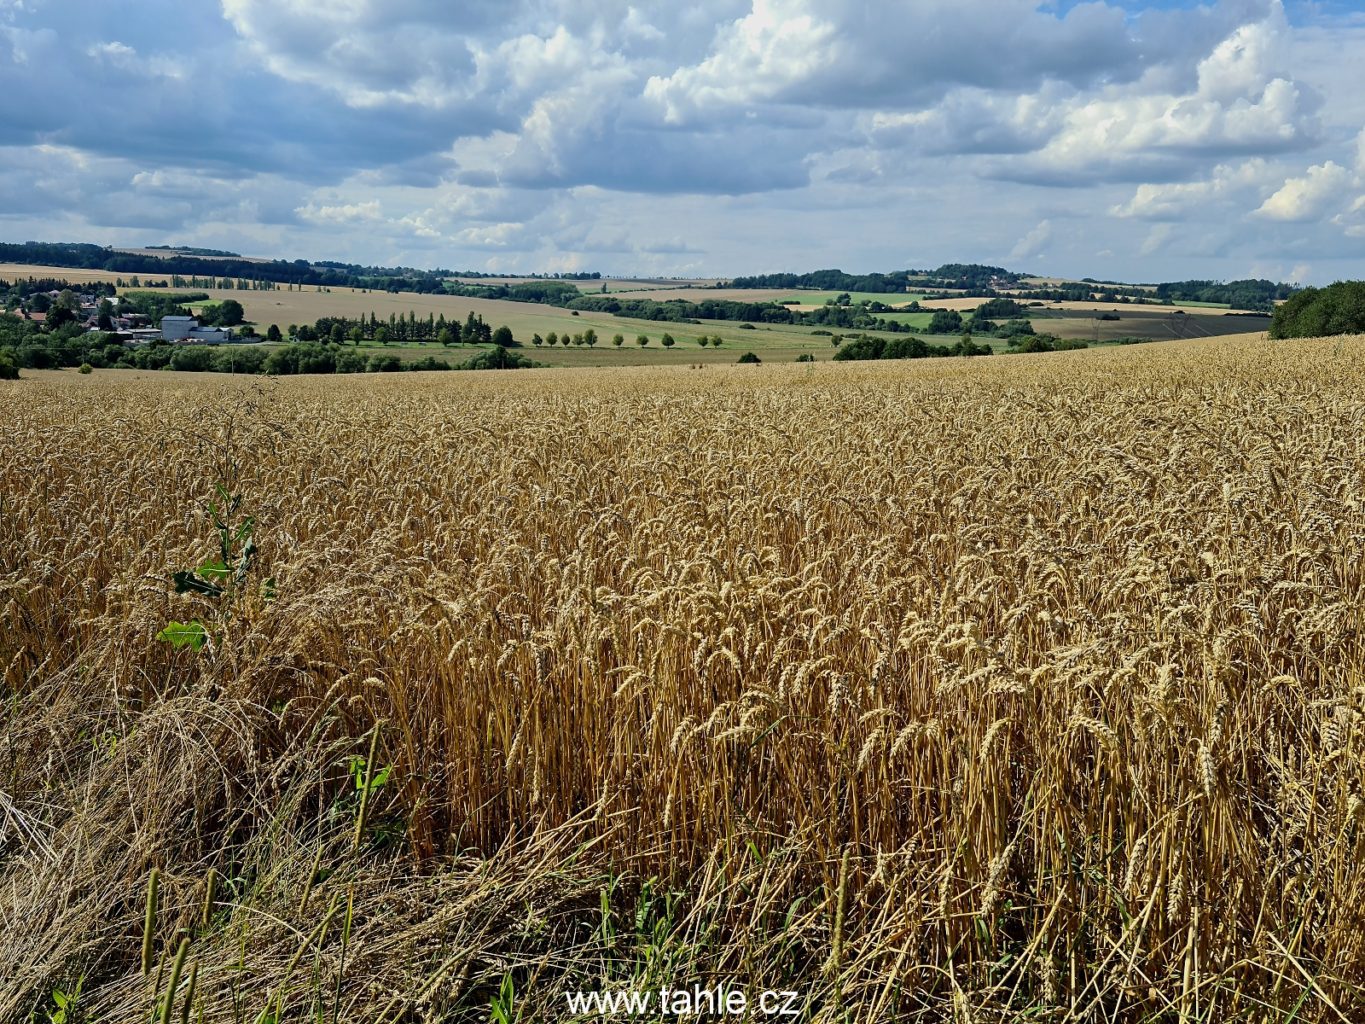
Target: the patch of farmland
pixel 14 271
pixel 1028 685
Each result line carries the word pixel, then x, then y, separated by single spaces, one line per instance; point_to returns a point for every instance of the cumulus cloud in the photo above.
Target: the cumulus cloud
pixel 1172 201
pixel 849 55
pixel 1241 104
pixel 539 133
pixel 344 213
pixel 1307 197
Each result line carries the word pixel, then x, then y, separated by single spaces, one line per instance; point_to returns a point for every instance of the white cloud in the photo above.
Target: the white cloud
pixel 1352 221
pixel 345 213
pixel 1301 199
pixel 1156 201
pixel 1031 244
pixel 844 54
pixel 777 44
pixel 1241 104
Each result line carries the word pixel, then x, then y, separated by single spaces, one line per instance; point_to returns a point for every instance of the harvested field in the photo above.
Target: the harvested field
pixel 996 689
pixel 1158 326
pixel 14 271
pixel 1193 308
pixel 167 254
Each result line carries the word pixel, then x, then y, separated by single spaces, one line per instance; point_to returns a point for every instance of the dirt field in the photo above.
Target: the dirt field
pixel 1159 326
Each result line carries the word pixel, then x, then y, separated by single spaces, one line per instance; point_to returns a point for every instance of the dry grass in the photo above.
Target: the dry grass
pixel 945 690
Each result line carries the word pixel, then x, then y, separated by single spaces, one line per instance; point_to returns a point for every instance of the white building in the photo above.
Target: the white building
pixel 186 329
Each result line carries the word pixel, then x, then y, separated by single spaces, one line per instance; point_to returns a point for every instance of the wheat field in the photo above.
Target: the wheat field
pixel 971 690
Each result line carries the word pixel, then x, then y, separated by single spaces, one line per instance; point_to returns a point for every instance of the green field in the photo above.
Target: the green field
pixel 918 321
pixel 776 342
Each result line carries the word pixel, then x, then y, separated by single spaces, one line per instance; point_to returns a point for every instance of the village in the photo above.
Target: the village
pixel 111 315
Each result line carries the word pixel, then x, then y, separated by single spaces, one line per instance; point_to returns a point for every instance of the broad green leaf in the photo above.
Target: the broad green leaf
pixel 182 634
pixel 213 569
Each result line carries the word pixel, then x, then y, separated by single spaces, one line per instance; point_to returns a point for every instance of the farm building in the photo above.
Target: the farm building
pixel 186 329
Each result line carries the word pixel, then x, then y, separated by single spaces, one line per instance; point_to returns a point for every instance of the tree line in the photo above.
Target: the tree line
pixel 1321 312
pixel 296 272
pixel 852 317
pixel 949 275
pixel 399 329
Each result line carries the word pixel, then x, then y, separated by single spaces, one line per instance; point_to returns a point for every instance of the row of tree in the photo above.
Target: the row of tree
pixel 853 317
pixel 32 292
pixel 310 357
pixel 870 347
pixel 398 329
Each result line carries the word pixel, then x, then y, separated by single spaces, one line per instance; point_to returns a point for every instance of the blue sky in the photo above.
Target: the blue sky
pixel 1141 141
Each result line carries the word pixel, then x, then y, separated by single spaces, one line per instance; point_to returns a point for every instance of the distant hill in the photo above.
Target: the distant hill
pixel 988 281
pixel 188 250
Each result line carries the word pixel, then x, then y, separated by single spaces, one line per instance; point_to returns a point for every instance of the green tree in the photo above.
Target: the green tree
pixel 229 313
pixel 272 333
pixel 703 341
pixel 1318 312
pixel 471 334
pixel 63 311
pixel 446 337
pixel 552 339
pixel 502 337
pixel 537 340
pixel 642 340
pixel 617 340
pixel 945 321
pixel 667 341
